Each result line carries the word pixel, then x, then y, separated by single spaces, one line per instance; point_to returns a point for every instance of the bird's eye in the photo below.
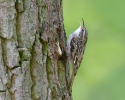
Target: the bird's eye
pixel 82 29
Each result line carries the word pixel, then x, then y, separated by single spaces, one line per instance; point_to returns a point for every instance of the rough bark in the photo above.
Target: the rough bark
pixel 33 61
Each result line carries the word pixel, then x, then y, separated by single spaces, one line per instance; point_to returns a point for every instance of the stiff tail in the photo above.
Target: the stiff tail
pixel 72 79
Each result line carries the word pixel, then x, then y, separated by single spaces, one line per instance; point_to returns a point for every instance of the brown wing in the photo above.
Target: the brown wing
pixel 74 51
pixel 77 47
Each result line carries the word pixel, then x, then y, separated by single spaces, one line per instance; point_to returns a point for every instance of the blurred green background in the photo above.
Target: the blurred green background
pixel 101 75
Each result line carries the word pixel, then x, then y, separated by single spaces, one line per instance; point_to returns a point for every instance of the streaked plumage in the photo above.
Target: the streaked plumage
pixel 75 50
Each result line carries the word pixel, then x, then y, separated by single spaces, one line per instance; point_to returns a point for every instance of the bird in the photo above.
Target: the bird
pixel 75 50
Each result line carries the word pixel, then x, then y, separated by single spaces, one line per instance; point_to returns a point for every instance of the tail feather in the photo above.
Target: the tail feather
pixel 72 78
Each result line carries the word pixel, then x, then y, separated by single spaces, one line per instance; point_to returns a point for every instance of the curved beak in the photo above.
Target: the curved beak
pixel 83 22
pixel 82 25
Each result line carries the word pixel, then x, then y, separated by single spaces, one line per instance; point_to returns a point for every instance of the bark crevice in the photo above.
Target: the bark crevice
pixel 33 57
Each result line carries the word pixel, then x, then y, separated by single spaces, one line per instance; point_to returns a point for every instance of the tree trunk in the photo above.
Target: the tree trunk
pixel 33 61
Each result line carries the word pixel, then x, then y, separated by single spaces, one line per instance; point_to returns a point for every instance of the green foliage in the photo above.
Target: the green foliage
pixel 102 72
